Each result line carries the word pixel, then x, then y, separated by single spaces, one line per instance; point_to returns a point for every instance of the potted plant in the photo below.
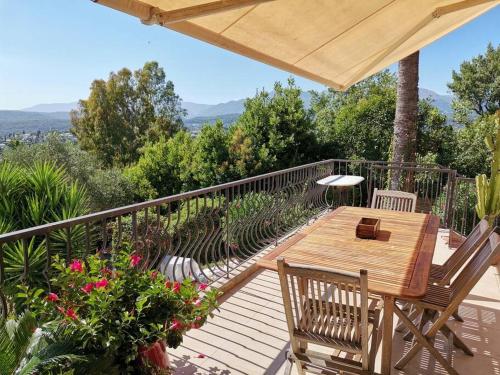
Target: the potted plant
pixel 121 313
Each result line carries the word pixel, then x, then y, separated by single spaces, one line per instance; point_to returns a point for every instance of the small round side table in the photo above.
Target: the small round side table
pixel 342 183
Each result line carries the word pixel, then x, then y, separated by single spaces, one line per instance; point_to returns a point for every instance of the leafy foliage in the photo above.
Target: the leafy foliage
pixel 358 123
pixel 109 188
pixel 476 85
pixel 126 111
pixel 163 168
pixel 471 154
pixel 24 349
pixel 32 196
pixel 279 129
pixel 113 309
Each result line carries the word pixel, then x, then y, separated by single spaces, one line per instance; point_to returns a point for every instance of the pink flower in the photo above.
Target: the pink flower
pixel 201 355
pixel 154 275
pixel 76 266
pixel 88 288
pixel 198 318
pixel 177 287
pixel 197 303
pixel 168 284
pixel 70 313
pixel 202 286
pixel 52 297
pixel 103 283
pixel 135 260
pixel 176 325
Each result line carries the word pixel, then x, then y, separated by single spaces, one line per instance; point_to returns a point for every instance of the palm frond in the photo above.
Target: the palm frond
pixel 15 339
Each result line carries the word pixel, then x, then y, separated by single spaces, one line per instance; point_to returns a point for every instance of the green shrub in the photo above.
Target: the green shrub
pixel 115 309
pixel 31 196
pixel 109 188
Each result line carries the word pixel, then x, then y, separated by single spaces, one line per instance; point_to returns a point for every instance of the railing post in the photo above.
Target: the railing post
pixel 450 204
pixel 226 207
pixel 370 182
pixel 278 211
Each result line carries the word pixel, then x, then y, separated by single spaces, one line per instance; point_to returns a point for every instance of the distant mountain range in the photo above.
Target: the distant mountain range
pixel 442 102
pixel 55 116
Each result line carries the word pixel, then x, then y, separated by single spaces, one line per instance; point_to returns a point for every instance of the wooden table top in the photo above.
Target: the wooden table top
pixel 398 261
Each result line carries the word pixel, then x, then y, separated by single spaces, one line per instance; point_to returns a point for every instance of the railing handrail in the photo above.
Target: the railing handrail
pixel 135 207
pixel 417 169
pixel 119 211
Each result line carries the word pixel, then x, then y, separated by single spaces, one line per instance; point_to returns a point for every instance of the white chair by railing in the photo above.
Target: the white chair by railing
pixel 394 200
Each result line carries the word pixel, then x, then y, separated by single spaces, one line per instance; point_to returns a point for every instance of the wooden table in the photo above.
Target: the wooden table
pixel 398 261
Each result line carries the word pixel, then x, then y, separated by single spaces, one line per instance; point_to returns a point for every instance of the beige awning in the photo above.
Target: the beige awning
pixel 334 42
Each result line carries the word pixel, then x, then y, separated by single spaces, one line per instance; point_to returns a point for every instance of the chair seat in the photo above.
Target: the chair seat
pixel 437 297
pixel 437 273
pixel 312 334
pixel 327 363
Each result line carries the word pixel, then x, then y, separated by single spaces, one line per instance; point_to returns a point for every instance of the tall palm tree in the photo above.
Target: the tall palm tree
pixel 405 122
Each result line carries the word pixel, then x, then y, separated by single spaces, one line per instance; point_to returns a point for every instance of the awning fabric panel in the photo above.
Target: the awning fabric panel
pixel 335 42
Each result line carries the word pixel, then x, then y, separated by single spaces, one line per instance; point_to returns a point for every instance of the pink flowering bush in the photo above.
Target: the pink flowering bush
pixel 115 309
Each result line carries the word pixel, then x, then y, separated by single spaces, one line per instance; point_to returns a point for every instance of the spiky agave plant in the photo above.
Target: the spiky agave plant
pixel 32 196
pixel 488 190
pixel 26 350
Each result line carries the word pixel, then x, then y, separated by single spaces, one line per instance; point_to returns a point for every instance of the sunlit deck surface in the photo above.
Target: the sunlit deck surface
pixel 249 334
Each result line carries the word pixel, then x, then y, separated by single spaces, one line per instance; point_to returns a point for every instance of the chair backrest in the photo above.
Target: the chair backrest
pixel 326 307
pixel 394 200
pixel 465 250
pixel 475 269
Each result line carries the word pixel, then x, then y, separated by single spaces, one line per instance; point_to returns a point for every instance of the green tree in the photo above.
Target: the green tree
pixel 126 111
pixel 359 123
pixel 164 167
pixel 109 188
pixel 434 135
pixel 244 160
pixel 476 85
pixel 472 156
pixel 279 128
pixel 356 123
pixel 210 164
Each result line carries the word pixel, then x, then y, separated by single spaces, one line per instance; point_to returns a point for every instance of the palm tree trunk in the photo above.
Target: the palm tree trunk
pixel 405 123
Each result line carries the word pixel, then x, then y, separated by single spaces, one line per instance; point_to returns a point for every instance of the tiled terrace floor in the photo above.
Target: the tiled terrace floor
pixel 249 334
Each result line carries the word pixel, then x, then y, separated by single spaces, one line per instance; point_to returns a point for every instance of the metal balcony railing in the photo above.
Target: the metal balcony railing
pixel 207 233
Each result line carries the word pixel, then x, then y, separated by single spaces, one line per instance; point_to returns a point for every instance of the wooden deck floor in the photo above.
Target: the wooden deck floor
pixel 249 335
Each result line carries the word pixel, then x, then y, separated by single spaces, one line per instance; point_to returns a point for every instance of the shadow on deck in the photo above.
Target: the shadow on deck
pixel 249 334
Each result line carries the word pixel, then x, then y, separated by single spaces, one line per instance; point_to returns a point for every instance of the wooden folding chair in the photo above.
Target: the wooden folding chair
pixel 329 308
pixel 440 302
pixel 394 200
pixel 442 274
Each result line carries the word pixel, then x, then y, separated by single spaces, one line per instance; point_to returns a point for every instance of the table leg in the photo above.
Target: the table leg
pixel 387 335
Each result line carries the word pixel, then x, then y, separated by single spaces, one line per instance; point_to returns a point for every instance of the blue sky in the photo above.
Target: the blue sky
pixel 50 51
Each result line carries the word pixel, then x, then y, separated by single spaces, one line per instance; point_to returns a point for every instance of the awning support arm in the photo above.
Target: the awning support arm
pixel 205 9
pixel 441 11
